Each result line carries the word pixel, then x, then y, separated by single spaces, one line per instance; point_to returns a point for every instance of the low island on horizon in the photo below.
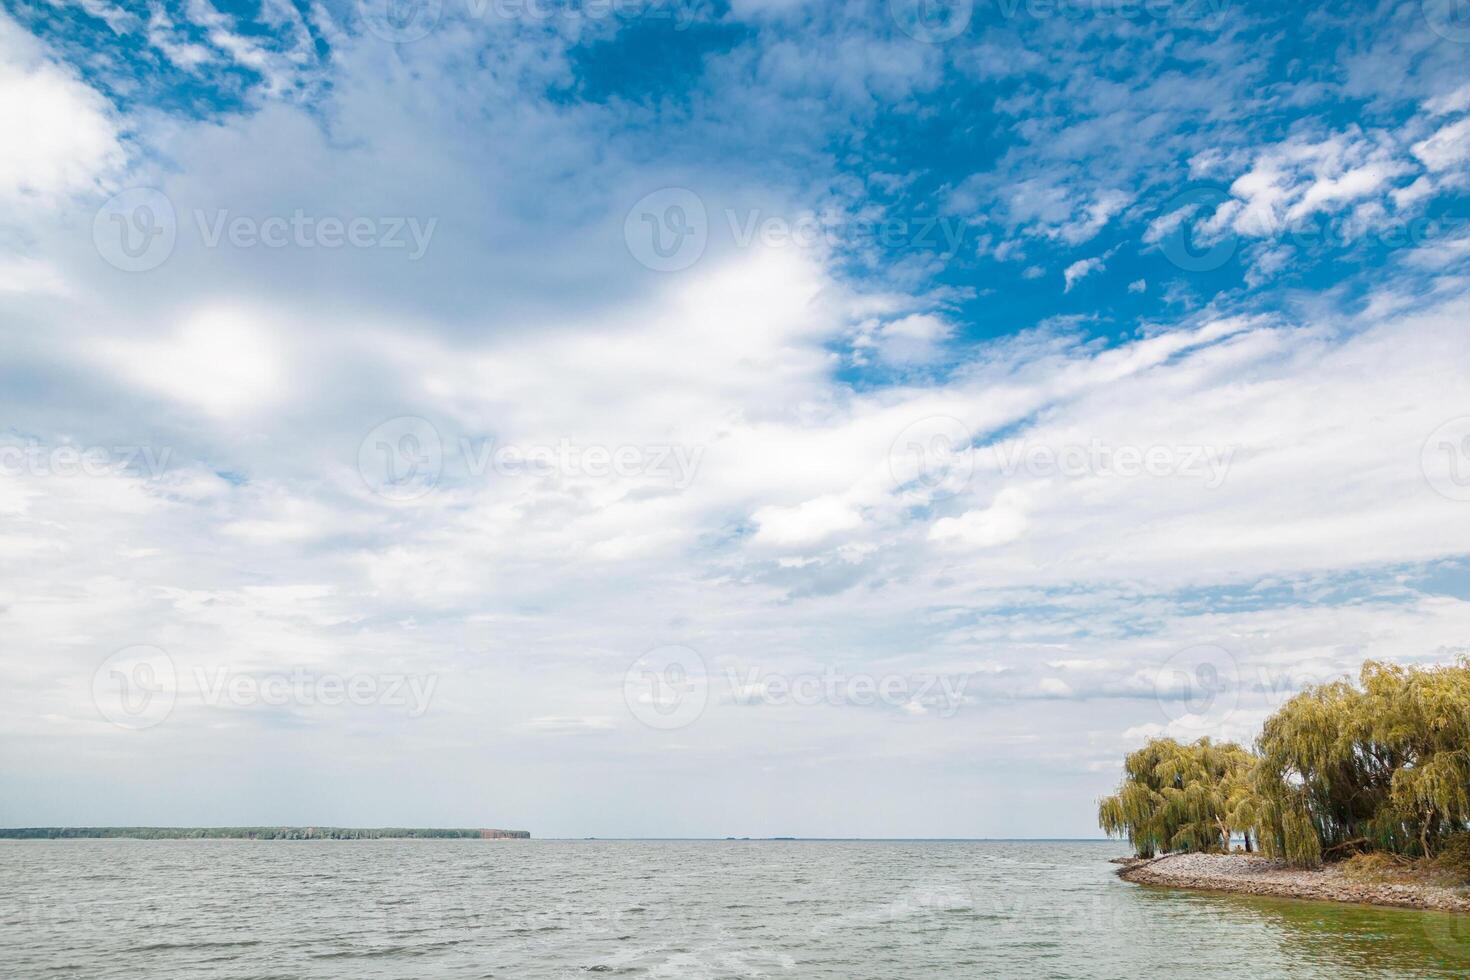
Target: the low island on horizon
pixel 258 833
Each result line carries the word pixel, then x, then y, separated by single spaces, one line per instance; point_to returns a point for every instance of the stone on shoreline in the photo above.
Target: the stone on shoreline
pixel 1255 875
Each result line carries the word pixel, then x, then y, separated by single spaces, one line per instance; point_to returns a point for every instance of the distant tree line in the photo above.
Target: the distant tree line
pixel 231 833
pixel 1380 766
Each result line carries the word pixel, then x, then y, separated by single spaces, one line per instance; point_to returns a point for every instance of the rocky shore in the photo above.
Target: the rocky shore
pixel 1255 875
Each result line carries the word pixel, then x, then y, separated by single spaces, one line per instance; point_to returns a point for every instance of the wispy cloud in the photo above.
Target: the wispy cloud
pixel 494 360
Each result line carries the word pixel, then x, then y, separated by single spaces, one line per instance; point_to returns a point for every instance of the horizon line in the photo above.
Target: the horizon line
pixel 721 837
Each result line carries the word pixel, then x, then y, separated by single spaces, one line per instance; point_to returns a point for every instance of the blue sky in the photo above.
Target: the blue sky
pixel 556 369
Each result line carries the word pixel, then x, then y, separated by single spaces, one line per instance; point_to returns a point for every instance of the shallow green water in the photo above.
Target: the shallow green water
pixel 422 908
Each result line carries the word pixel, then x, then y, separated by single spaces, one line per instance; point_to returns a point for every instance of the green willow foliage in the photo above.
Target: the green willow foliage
pixel 1380 766
pixel 1179 797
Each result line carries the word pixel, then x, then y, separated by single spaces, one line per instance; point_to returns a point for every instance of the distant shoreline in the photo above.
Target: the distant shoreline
pixel 1254 875
pixel 430 833
pixel 258 833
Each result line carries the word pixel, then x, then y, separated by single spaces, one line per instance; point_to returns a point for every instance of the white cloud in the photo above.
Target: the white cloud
pixel 70 144
pixel 1048 208
pixel 1448 147
pixel 1003 522
pixel 806 523
pixel 27 275
pixel 913 339
pixel 1083 268
pixel 163 34
pixel 280 70
pixel 222 360
pixel 792 547
pixel 1055 687
pixel 1455 101
pixel 1294 180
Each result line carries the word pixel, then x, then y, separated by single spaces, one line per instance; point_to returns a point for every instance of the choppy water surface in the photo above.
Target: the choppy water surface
pixel 421 909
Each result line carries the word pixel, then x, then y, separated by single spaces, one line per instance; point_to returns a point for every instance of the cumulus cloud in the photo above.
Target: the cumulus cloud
pixel 914 339
pixel 1001 523
pixel 806 523
pixel 71 142
pixel 1051 513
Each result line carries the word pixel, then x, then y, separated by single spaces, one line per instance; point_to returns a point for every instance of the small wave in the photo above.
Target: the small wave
pixel 220 944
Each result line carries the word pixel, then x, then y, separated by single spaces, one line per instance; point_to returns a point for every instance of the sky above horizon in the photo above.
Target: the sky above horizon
pixel 675 418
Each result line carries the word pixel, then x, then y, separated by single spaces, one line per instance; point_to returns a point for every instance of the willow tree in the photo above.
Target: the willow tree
pixel 1318 783
pixel 1177 797
pixel 1421 717
pixel 1384 766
